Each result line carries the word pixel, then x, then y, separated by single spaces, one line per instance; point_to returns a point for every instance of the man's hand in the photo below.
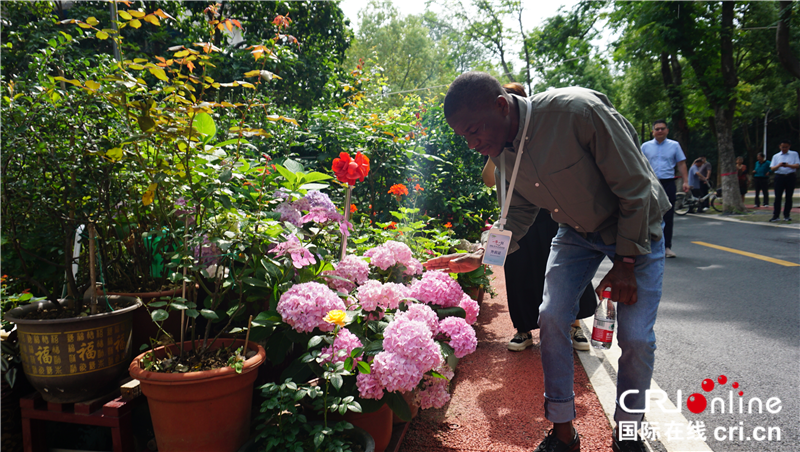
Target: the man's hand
pixel 685 187
pixel 456 263
pixel 622 280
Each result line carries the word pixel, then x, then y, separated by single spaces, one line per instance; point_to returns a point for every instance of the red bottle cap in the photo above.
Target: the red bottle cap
pixel 607 292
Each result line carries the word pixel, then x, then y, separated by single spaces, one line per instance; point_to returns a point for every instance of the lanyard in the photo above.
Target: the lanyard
pixel 506 200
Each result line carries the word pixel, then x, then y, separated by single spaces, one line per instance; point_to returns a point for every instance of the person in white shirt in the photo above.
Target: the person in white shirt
pixel 784 165
pixel 664 156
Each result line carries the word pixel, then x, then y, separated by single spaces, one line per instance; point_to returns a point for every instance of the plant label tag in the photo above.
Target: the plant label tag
pixel 497 247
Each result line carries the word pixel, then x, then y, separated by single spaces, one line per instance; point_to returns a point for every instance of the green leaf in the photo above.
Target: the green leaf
pixel 159 73
pixel 157 304
pixel 293 165
pixel 364 367
pixel 204 124
pixel 254 282
pixel 159 315
pixel 226 175
pixel 314 341
pixel 101 35
pixel 146 123
pixel 193 313
pixel 337 381
pixel 209 314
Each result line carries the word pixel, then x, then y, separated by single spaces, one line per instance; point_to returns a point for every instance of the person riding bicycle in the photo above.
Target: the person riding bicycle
pixel 696 179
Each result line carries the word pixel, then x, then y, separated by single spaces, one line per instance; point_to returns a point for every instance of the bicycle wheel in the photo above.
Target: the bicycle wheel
pixel 682 204
pixel 712 201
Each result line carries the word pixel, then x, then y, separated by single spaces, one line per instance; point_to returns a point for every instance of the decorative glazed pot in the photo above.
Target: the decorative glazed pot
pixel 75 359
pixel 196 411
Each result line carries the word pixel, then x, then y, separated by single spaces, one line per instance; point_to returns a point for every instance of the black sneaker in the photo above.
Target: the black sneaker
pixel 553 444
pixel 579 341
pixel 520 342
pixel 628 445
pixel 788 220
pixel 774 220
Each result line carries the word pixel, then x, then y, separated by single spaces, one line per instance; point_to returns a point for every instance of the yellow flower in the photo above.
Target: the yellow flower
pixel 336 316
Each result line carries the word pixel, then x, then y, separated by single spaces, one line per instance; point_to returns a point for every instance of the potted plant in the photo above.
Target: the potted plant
pixel 54 182
pixel 188 152
pixel 389 330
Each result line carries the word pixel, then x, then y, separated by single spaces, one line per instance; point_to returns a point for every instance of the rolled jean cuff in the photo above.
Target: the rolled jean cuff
pixel 621 415
pixel 559 410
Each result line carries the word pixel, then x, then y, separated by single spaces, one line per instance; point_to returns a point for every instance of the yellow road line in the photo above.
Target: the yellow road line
pixel 754 256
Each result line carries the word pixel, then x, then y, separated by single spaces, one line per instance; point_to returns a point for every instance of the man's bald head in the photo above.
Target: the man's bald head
pixel 473 91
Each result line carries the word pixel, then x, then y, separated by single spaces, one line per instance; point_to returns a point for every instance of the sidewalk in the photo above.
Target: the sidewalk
pixel 497 399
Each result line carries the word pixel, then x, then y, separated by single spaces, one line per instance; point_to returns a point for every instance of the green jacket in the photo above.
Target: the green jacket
pixel 582 162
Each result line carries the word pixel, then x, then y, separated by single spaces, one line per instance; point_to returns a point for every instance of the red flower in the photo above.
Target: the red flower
pixel 349 170
pixel 391 225
pixel 353 208
pixel 398 190
pixel 418 188
pixel 448 225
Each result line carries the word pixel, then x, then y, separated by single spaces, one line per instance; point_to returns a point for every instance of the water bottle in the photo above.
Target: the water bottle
pixel 605 317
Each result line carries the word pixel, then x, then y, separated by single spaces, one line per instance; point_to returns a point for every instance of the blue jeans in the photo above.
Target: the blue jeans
pixel 574 260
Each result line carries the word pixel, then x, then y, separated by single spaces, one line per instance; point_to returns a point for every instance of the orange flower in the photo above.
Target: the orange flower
pixel 398 190
pixel 349 170
pixel 353 208
pixel 418 188
pixel 448 225
pixel 391 225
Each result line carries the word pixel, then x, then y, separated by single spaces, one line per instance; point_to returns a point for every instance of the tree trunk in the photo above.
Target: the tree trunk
pixel 731 200
pixel 788 60
pixel 672 75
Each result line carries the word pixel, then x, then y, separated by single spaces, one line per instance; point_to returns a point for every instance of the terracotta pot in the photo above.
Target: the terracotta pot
pixel 144 327
pixel 410 398
pixel 75 359
pixel 476 293
pixel 378 424
pixel 196 411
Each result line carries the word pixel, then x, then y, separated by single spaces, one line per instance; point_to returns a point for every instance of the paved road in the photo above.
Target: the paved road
pixel 729 314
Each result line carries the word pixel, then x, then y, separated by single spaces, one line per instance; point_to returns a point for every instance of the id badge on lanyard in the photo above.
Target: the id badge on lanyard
pixel 499 238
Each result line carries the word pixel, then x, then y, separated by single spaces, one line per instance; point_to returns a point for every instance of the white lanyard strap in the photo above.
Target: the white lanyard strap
pixel 506 200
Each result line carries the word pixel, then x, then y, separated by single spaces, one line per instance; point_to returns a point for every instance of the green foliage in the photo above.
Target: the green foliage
pixel 284 428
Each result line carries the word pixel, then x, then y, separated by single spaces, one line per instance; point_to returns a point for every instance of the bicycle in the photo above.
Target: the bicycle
pixel 686 202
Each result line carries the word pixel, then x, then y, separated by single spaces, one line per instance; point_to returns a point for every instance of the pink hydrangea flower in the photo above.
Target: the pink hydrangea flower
pixel 434 392
pixel 305 305
pixel 414 341
pixel 352 268
pixel 381 257
pixel 413 267
pixel 300 255
pixel 471 307
pixel 289 213
pixel 392 253
pixel 343 345
pixel 437 288
pixel 374 295
pixel 462 336
pixel 421 313
pixel 395 372
pixel 369 387
pixel 402 253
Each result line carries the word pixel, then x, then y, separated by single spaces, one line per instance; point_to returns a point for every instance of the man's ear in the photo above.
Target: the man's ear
pixel 502 104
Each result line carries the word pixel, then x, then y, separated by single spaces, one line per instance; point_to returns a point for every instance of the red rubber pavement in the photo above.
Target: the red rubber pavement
pixel 497 399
